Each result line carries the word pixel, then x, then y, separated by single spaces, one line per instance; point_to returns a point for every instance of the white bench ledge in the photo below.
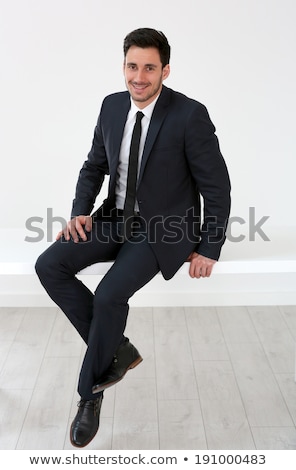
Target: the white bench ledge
pixel 222 267
pixel 18 257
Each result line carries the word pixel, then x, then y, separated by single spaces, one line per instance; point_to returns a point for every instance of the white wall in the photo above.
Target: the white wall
pixel 59 58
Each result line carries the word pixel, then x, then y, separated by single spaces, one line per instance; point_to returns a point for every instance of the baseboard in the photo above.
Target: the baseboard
pixel 227 289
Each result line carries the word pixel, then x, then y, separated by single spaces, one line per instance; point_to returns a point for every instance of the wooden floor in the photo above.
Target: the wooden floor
pixel 212 378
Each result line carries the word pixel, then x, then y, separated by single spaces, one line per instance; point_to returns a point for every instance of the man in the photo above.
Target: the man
pixel 161 152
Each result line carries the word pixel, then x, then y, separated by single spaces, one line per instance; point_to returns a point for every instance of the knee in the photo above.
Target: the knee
pixel 46 266
pixel 109 298
pixel 102 299
pixel 41 266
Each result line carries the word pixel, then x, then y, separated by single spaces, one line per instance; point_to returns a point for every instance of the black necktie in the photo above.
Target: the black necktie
pixel 130 199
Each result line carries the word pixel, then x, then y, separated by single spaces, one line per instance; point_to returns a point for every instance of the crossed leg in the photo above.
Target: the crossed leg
pixel 100 318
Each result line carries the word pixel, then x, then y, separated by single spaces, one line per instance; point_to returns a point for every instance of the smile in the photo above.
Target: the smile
pixel 139 87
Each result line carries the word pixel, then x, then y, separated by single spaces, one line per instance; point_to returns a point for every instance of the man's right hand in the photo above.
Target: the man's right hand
pixel 76 228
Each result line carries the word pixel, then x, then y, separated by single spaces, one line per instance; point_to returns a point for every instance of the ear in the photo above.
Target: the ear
pixel 166 71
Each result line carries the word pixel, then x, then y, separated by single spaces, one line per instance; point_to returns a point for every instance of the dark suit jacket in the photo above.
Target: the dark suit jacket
pixel 181 160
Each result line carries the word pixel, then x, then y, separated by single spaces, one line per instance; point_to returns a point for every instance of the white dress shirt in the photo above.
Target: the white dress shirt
pixel 122 169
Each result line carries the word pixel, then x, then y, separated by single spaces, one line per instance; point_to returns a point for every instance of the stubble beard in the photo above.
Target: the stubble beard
pixel 154 92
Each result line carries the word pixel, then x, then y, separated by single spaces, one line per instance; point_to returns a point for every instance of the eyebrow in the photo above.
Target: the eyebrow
pixel 146 65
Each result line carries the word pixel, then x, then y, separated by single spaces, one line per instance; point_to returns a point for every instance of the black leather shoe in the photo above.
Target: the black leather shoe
pixel 86 423
pixel 126 357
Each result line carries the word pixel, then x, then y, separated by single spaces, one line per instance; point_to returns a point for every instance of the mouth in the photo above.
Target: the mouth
pixel 138 87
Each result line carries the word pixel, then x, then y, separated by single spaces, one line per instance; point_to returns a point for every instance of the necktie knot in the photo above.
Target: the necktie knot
pixel 139 116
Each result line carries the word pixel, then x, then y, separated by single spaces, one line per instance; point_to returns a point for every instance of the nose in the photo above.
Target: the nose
pixel 139 76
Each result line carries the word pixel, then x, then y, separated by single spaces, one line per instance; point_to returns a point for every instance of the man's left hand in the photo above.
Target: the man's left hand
pixel 200 266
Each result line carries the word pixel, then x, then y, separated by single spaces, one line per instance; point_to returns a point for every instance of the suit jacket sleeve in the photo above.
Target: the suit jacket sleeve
pixel 210 174
pixel 91 176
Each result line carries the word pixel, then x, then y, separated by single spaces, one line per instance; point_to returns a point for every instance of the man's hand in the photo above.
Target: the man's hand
pixel 76 228
pixel 200 266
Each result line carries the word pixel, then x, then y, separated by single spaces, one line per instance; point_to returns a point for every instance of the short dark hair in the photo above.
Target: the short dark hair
pixel 148 37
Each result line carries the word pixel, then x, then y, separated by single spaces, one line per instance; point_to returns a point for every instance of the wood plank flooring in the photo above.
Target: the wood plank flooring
pixel 212 378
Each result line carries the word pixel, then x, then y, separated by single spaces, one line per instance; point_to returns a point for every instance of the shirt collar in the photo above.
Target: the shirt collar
pixel 147 111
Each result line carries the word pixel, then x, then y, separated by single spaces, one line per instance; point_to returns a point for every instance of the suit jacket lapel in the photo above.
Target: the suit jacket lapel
pixel 159 113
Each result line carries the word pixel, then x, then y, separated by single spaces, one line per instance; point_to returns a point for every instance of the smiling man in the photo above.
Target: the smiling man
pixel 161 153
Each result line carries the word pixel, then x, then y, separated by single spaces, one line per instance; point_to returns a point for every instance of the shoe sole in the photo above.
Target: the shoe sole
pixel 100 388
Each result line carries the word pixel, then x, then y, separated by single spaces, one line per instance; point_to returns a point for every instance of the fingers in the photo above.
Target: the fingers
pixel 88 223
pixel 59 235
pixel 76 229
pixel 200 266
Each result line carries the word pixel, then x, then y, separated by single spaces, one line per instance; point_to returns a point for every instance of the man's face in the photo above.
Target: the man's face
pixel 144 74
